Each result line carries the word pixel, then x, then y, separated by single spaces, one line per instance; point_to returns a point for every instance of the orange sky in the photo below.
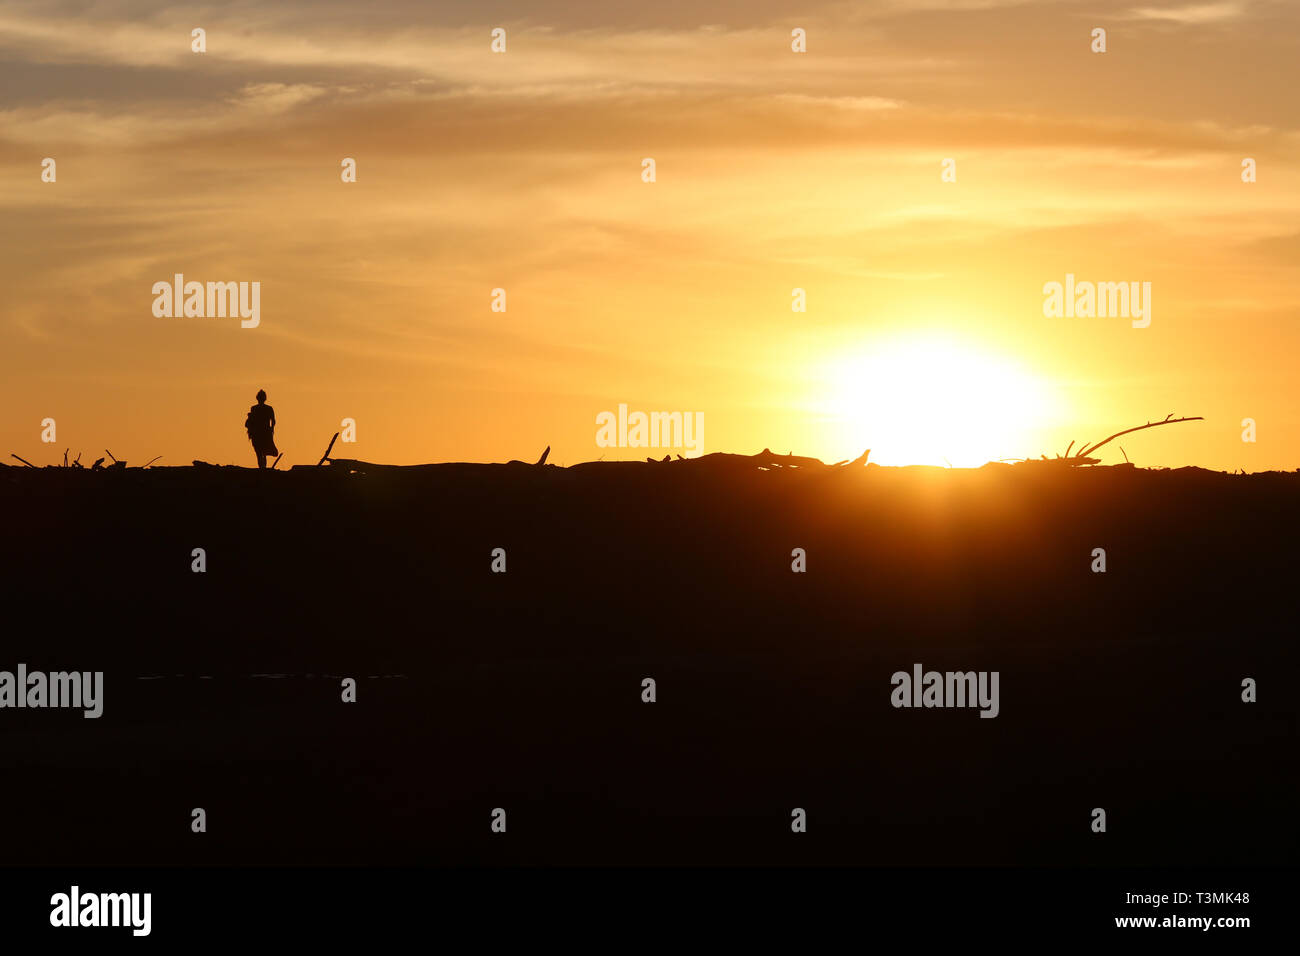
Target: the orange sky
pixel 775 171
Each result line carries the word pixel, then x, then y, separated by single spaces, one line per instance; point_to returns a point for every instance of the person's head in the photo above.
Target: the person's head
pixel 261 396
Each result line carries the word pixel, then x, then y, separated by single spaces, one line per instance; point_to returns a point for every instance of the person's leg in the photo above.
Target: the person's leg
pixel 261 460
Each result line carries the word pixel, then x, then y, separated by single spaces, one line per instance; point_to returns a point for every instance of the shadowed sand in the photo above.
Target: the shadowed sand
pixel 522 690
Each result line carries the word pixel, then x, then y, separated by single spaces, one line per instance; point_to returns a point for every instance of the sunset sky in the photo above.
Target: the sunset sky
pixel 924 336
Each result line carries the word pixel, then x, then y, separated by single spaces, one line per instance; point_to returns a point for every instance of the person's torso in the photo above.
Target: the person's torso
pixel 261 416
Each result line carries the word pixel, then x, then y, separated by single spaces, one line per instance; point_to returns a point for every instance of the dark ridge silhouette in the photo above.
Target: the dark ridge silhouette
pixel 522 689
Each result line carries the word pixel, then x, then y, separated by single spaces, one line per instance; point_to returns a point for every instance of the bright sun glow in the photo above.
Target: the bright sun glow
pixel 935 400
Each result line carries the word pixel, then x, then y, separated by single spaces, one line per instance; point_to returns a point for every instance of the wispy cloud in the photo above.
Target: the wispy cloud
pixel 1193 15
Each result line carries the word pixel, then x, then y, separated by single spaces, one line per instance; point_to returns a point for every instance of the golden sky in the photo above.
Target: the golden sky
pixel 924 336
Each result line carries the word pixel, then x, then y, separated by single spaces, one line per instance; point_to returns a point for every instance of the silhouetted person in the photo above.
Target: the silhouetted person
pixel 261 429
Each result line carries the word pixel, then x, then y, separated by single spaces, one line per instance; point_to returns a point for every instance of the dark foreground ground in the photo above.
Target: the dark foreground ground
pixel 522 690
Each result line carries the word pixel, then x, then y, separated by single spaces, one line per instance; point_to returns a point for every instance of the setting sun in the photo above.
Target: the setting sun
pixel 936 400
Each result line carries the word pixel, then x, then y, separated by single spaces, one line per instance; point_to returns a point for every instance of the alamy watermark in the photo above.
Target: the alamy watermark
pixel 215 300
pixel 947 689
pixel 77 690
pixel 1128 300
pixel 650 430
pixel 75 908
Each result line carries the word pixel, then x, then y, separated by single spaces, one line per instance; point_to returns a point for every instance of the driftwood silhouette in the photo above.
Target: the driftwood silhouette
pixel 356 465
pixel 540 461
pixel 765 460
pixel 1083 456
pixel 768 460
pixel 326 457
pixel 1168 420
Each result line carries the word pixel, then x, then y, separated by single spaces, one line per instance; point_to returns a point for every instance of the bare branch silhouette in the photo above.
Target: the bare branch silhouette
pixel 1168 420
pixel 326 457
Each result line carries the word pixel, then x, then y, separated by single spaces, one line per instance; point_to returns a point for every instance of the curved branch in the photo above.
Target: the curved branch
pixel 1168 421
